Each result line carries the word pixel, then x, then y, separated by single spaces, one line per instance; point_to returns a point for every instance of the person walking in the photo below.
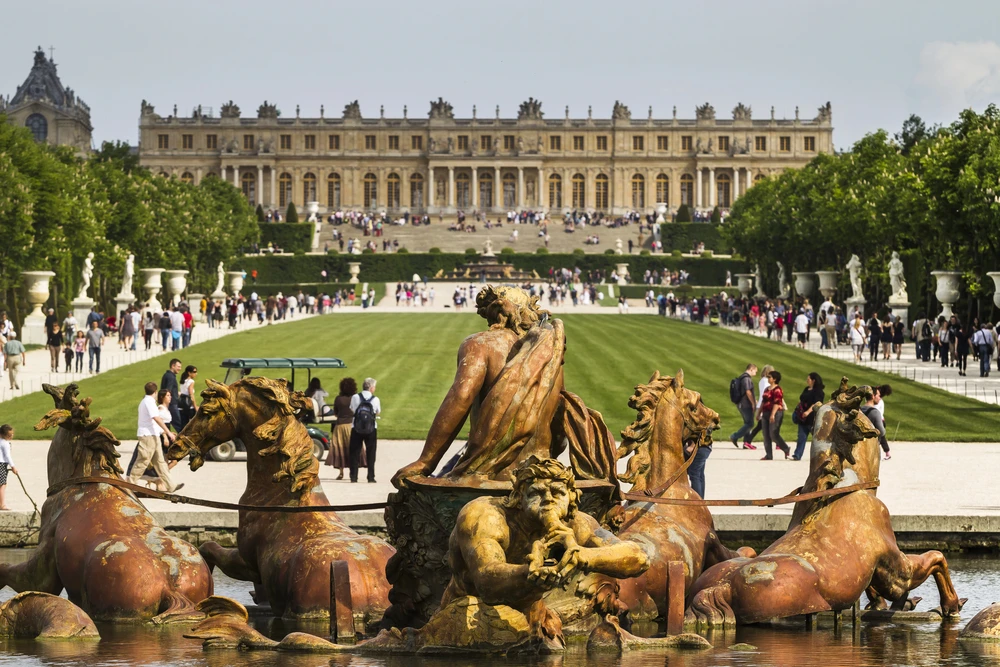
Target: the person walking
pixel 95 341
pixel 870 410
pixel 886 338
pixel 898 334
pixel 982 341
pixel 762 386
pixel 874 338
pixel 188 404
pixel 741 394
pixel 944 340
pixel 6 461
pixel 802 327
pixel 169 382
pixel 858 337
pixel 962 348
pixel 13 358
pixel 148 326
pixel 150 426
pixel 365 408
pixel 340 433
pixel 696 471
pixel 53 342
pixel 805 411
pixel 79 347
pixel 772 414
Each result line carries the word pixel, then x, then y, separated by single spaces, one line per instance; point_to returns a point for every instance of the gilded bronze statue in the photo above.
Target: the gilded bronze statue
pixel 34 615
pixel 96 538
pixel 286 555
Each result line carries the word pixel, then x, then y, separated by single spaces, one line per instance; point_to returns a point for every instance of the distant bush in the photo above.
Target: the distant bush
pixel 507 251
pixel 579 251
pixel 609 251
pixel 542 251
pixel 471 251
pixel 644 252
pixel 291 215
pixel 435 251
pixel 367 251
pixel 684 213
pixel 716 216
pixel 676 253
pixel 708 254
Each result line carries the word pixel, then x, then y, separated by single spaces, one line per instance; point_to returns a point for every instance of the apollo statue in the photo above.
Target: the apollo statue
pixel 854 270
pixel 783 288
pixel 220 274
pixel 88 273
pixel 896 279
pixel 129 275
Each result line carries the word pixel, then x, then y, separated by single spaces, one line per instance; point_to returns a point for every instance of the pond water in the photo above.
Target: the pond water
pixel 902 644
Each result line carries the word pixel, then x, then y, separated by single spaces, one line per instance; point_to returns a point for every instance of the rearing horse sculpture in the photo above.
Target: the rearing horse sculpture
pixel 670 416
pixel 286 555
pixel 98 541
pixel 835 548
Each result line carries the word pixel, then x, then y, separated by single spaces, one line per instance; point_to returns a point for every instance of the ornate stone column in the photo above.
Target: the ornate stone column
pixel 698 189
pixel 712 194
pixel 258 189
pixel 431 201
pixel 736 186
pixel 520 187
pixel 451 187
pixel 36 284
pixel 497 190
pixel 274 188
pixel 540 190
pixel 475 187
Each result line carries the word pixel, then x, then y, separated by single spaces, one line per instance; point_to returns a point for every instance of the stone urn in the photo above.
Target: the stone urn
pixel 947 290
pixel 36 285
pixel 235 282
pixel 661 211
pixel 151 283
pixel 622 271
pixel 827 283
pixel 804 283
pixel 744 283
pixel 176 284
pixel 354 268
pixel 995 275
pixel 312 208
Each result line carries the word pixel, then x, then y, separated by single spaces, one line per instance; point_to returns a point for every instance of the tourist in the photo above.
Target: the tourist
pixel 830 326
pixel 802 327
pixel 881 391
pixel 772 410
pixel 805 414
pixel 762 386
pixel 983 342
pixel 79 347
pixel 148 326
pixel 365 408
pixel 68 357
pixel 316 392
pixel 874 338
pixel 95 341
pixel 622 304
pixel 188 325
pixel 169 382
pixel 340 433
pixel 187 405
pixel 922 335
pixel 6 461
pixel 148 449
pixel 53 341
pixel 944 339
pixel 176 330
pixel 961 348
pixel 741 393
pixel 50 321
pixel 898 334
pixel 886 338
pixel 69 326
pixel 164 327
pixel 125 329
pixel 858 337
pixel 870 410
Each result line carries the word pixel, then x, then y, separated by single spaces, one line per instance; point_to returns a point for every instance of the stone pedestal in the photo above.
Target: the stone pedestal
pixel 995 275
pixel 828 283
pixel 194 302
pixel 901 309
pixel 354 268
pixel 661 210
pixel 81 309
pixel 36 285
pixel 176 284
pixel 805 284
pixel 852 302
pixel 218 296
pixel 235 282
pixel 151 283
pixel 744 282
pixel 947 290
pixel 622 271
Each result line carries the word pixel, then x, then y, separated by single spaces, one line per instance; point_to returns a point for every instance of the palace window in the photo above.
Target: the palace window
pixel 309 188
pixel 463 142
pixel 638 192
pixel 663 189
pixel 663 143
pixel 578 142
pixel 370 142
pixel 602 143
pixel 394 142
pixel 40 127
pixel 163 141
pixel 509 190
pixel 638 143
pixel 760 143
pixel 333 191
pixel 784 144
pixel 187 141
pixel 248 142
pixel 284 189
pixel 759 177
pixel 392 189
pixel 212 141
pixel 187 177
pixel 310 142
pixel 810 144
pixel 416 191
pixel 333 142
pixel 555 191
pixel 723 143
pixel 687 143
pixel 463 191
pixel 248 182
pixel 285 142
pixel 601 191
pixel 485 142
pixel 555 143
pixel 486 191
pixel 579 192
pixel 417 143
pixel 508 142
pixel 687 189
pixel 371 188
pixel 724 191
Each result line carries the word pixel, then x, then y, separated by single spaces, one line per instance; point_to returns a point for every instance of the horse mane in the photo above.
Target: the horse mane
pixel 636 436
pixel 88 436
pixel 288 438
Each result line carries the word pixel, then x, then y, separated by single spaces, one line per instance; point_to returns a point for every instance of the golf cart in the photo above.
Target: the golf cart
pixel 237 369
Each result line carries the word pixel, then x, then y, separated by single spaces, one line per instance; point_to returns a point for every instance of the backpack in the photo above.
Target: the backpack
pixel 736 392
pixel 926 330
pixel 364 417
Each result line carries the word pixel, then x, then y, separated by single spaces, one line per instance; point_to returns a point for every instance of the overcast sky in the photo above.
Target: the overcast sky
pixel 877 61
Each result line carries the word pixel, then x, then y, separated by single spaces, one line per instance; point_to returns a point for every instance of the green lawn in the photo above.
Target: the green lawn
pixel 413 358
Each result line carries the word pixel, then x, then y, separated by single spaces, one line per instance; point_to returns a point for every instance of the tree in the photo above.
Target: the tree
pixel 716 216
pixel 260 213
pixel 914 131
pixel 119 153
pixel 684 213
pixel 291 215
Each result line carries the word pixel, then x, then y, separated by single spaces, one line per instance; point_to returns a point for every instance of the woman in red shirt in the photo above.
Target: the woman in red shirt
pixel 772 412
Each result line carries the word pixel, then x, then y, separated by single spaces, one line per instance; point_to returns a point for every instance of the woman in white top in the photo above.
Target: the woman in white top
pixel 6 435
pixel 858 337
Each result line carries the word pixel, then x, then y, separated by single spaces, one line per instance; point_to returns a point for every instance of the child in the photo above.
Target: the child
pixel 68 357
pixel 6 435
pixel 79 347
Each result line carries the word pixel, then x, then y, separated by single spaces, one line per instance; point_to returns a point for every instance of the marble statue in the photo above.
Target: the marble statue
pixel 783 289
pixel 220 274
pixel 488 248
pixel 854 269
pixel 88 273
pixel 129 275
pixel 758 278
pixel 896 279
pixel 618 247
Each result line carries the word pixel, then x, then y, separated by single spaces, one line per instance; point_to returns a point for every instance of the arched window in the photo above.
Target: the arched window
pixel 759 177
pixel 164 174
pixel 309 188
pixel 463 190
pixel 724 190
pixel 284 189
pixel 579 191
pixel 555 191
pixel 187 177
pixel 486 191
pixel 663 189
pixel 249 183
pixel 509 181
pixel 638 192
pixel 392 190
pixel 601 192
pixel 371 190
pixel 38 125
pixel 416 191
pixel 333 191
pixel 687 189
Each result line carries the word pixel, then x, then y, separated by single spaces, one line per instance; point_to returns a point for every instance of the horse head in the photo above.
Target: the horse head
pixel 81 447
pixel 670 417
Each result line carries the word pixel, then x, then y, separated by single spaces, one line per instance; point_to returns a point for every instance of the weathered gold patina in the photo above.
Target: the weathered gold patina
pixel 34 615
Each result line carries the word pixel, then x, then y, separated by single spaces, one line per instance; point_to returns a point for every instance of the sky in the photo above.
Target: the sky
pixel 876 61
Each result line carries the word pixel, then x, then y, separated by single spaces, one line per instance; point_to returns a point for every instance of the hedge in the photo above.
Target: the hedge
pixel 289 236
pixel 390 267
pixel 683 235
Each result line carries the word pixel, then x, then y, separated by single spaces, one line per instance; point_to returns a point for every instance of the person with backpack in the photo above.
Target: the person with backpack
pixel 741 394
pixel 364 430
pixel 922 336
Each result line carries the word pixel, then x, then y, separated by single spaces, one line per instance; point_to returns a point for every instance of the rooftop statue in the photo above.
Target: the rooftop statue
pixel 440 109
pixel 267 110
pixel 620 112
pixel 229 110
pixel 825 113
pixel 352 111
pixel 741 112
pixel 530 109
pixel 705 112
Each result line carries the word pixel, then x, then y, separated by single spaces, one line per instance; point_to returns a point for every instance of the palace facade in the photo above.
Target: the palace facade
pixel 441 164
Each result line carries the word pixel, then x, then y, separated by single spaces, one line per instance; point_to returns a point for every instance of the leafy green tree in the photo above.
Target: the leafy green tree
pixel 261 217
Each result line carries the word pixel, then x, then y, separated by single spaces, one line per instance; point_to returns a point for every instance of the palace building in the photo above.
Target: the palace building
pixel 442 164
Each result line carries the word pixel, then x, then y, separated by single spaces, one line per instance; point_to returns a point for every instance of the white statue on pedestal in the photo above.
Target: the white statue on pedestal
pixel 488 248
pixel 759 279
pixel 220 274
pixel 783 288
pixel 854 269
pixel 88 273
pixel 129 275
pixel 618 247
pixel 896 279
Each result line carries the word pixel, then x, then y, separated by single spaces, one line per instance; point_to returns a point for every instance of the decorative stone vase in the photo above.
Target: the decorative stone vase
pixel 622 271
pixel 36 285
pixel 661 211
pixel 235 282
pixel 995 275
pixel 354 268
pixel 744 283
pixel 827 283
pixel 804 283
pixel 312 208
pixel 947 290
pixel 151 283
pixel 176 284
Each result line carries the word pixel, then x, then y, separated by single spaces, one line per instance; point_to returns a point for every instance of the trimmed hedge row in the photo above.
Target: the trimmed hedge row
pixel 289 236
pixel 393 267
pixel 683 235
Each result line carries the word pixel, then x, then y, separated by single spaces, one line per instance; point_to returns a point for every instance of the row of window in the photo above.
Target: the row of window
pixel 485 142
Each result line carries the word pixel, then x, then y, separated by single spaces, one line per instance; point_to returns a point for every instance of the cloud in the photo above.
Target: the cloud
pixel 958 75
